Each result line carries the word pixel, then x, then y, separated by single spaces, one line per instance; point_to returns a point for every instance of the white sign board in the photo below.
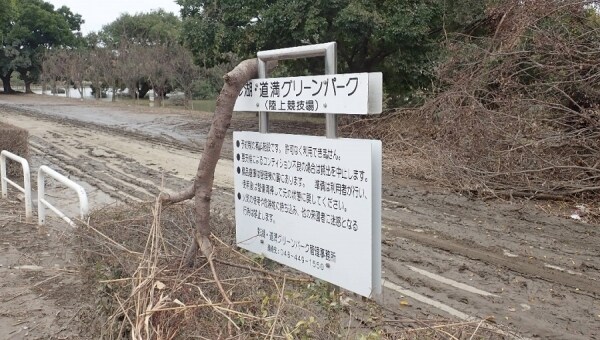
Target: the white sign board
pixel 313 204
pixel 352 93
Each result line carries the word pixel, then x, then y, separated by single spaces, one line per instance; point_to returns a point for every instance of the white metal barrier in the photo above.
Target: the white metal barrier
pixel 26 189
pixel 42 203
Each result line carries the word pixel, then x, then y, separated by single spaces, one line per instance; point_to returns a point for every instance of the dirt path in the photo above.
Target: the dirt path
pixel 448 255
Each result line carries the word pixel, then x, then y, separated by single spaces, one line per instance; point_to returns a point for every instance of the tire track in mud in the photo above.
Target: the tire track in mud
pixel 531 267
pixel 459 239
pixel 79 168
pixel 535 309
pixel 120 180
pixel 162 140
pixel 80 148
pixel 517 231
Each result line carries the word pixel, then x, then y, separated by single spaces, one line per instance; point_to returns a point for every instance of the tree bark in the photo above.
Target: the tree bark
pixel 28 87
pixel 143 89
pixel 187 98
pixel 6 83
pixel 158 97
pixel 203 182
pixel 114 92
pixel 80 89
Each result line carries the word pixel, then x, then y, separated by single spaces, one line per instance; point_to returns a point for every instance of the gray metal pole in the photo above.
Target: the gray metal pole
pixel 328 50
pixel 331 68
pixel 263 117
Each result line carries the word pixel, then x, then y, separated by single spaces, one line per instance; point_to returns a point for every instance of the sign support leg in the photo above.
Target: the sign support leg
pixel 263 117
pixel 331 68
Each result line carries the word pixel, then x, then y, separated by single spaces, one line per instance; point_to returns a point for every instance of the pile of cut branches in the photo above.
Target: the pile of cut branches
pixel 516 111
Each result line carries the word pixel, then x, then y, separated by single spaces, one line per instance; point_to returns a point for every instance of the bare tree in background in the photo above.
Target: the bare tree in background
pixel 78 62
pixel 130 66
pixel 185 73
pixel 55 69
pixel 158 69
pixel 99 64
pixel 111 72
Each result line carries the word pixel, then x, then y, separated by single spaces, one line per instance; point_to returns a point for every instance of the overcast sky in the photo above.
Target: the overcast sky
pixel 101 12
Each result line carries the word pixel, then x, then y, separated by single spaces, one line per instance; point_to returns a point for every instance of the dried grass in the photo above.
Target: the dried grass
pixel 15 140
pixel 131 264
pixel 515 113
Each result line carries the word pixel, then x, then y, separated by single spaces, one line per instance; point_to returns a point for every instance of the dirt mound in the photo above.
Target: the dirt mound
pixel 14 139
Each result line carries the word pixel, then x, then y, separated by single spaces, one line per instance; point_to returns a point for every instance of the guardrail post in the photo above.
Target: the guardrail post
pixel 41 182
pixel 3 176
pixel 26 189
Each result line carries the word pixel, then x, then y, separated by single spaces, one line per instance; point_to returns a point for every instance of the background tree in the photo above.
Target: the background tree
pixel 155 28
pixel 111 72
pixel 77 65
pixel 55 68
pixel 398 37
pixel 34 27
pixel 7 18
pixel 211 79
pixel 158 70
pixel 7 15
pixel 130 69
pixel 185 73
pixel 98 70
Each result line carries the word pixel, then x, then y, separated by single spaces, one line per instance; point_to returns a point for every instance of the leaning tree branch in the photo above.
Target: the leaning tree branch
pixel 203 182
pixel 181 196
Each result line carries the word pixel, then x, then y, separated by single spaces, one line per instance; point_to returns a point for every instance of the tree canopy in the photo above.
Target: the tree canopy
pixel 398 37
pixel 7 9
pixel 33 26
pixel 152 28
pixel 142 39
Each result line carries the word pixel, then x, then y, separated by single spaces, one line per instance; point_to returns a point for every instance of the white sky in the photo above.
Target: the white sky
pixel 98 13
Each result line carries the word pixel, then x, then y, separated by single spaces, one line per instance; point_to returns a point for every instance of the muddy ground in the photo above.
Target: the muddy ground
pixel 526 264
pixel 40 285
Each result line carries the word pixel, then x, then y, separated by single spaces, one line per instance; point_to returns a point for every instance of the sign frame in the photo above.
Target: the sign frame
pixel 329 52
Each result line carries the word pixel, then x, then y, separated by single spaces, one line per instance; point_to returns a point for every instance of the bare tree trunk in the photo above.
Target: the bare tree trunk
pixel 158 100
pixel 186 98
pixel 203 182
pixel 6 83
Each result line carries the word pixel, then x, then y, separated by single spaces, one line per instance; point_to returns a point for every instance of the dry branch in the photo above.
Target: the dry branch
pixel 516 112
